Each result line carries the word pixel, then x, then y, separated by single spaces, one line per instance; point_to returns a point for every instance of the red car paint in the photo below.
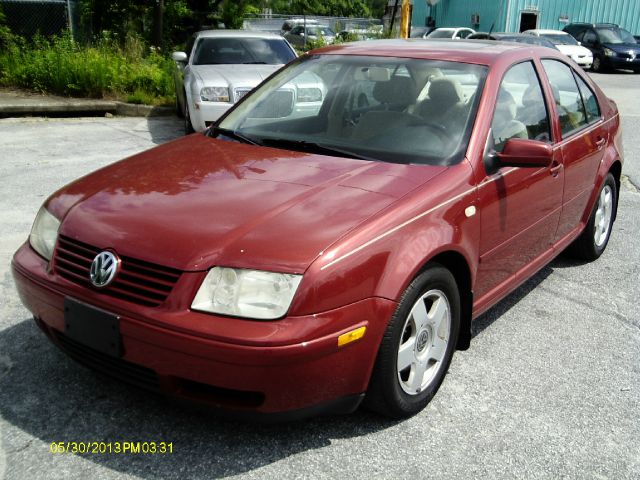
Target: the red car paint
pixel 360 231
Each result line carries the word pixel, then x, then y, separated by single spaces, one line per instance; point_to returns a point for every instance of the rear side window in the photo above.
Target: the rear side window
pixel 590 101
pixel 520 110
pixel 567 97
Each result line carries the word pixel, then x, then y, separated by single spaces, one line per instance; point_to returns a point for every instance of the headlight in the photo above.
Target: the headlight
pixel 309 94
pixel 214 94
pixel 246 293
pixel 609 53
pixel 44 233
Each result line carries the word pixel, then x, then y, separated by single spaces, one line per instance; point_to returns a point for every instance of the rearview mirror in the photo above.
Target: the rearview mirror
pixel 520 152
pixel 179 57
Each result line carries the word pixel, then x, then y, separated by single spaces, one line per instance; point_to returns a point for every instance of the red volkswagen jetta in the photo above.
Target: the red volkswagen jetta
pixel 332 238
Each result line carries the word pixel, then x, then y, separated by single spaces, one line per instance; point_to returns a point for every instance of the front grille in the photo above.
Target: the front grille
pixel 138 281
pixel 240 92
pixel 108 365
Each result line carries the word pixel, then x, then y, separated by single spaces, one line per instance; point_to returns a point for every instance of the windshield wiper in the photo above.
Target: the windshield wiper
pixel 234 135
pixel 313 147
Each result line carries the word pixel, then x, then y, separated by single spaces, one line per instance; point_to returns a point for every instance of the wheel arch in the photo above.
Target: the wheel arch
pixel 616 170
pixel 457 264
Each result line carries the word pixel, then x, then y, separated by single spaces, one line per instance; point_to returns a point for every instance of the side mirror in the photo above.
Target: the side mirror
pixel 520 152
pixel 180 57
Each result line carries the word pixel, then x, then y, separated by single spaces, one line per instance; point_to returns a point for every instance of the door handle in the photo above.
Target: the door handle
pixel 600 141
pixel 555 169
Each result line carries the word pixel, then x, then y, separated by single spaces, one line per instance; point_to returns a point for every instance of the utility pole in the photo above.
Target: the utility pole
pixel 405 19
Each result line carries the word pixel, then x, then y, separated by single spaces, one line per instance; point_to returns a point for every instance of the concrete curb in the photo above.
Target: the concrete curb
pixel 11 106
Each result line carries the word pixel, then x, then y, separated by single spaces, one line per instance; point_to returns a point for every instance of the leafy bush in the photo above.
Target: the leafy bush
pixel 61 66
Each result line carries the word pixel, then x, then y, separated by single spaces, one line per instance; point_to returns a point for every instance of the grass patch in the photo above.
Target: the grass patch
pixel 64 67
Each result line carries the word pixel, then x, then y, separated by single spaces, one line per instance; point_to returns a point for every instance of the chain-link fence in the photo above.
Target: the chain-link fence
pixel 274 22
pixel 45 17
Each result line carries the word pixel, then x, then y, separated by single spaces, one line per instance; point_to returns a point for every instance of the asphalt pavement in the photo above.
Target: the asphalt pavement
pixel 550 387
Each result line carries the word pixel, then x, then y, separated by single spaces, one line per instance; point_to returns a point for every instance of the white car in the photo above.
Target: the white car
pixel 453 32
pixel 222 66
pixel 567 45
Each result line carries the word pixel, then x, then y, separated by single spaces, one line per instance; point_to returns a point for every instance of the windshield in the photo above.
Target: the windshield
pixel 560 39
pixel 615 35
pixel 230 50
pixel 376 108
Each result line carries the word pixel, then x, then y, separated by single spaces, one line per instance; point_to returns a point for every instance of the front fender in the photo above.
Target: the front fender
pixel 382 256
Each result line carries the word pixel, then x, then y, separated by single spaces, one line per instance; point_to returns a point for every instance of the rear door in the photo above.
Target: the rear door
pixel 579 124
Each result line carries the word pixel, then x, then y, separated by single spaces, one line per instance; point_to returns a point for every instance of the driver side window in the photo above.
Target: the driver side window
pixel 520 110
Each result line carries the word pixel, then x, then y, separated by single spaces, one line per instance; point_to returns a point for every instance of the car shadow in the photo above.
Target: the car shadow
pixel 54 399
pixel 165 128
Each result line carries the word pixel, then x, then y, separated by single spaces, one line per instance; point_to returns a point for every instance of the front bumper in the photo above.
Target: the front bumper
pixel 204 113
pixel 290 365
pixel 584 61
pixel 624 63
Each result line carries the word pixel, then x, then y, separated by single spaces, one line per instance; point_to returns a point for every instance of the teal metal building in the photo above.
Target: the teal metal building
pixel 520 15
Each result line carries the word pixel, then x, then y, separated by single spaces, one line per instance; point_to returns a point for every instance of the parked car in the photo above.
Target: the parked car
pixel 611 46
pixel 298 36
pixel 513 37
pixel 420 32
pixel 567 45
pixel 294 22
pixel 287 266
pixel 455 33
pixel 221 66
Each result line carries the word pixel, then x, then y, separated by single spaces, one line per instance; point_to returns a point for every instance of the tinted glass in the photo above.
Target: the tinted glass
pixel 566 96
pixel 590 101
pixel 615 35
pixel 378 108
pixel 215 51
pixel 520 110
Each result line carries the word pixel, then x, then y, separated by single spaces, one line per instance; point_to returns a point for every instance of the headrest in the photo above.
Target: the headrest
pixel 397 91
pixel 445 90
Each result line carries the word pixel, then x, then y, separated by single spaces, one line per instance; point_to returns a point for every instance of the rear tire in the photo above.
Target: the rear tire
pixel 417 347
pixel 594 238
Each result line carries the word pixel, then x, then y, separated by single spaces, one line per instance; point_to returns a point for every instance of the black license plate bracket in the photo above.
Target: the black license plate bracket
pixel 92 327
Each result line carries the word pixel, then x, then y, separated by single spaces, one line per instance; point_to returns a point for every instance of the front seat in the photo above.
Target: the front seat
pixel 395 96
pixel 444 94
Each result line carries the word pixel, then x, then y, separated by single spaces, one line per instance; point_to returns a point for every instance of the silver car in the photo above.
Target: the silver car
pixel 222 66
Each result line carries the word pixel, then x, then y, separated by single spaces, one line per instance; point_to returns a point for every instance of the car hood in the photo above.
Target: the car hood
pixel 623 47
pixel 198 202
pixel 574 50
pixel 234 75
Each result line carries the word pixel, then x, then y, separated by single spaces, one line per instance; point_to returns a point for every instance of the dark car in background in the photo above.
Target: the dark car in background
pixel 612 46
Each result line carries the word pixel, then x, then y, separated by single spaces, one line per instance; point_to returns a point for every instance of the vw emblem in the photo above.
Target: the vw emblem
pixel 104 268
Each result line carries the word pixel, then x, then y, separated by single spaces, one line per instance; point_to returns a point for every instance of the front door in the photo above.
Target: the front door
pixel 519 207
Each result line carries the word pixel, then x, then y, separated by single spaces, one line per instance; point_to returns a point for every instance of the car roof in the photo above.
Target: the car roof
pixel 467 51
pixel 237 34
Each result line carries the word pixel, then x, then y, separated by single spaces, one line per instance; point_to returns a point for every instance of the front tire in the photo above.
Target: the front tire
pixel 597 65
pixel 188 127
pixel 416 350
pixel 594 238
